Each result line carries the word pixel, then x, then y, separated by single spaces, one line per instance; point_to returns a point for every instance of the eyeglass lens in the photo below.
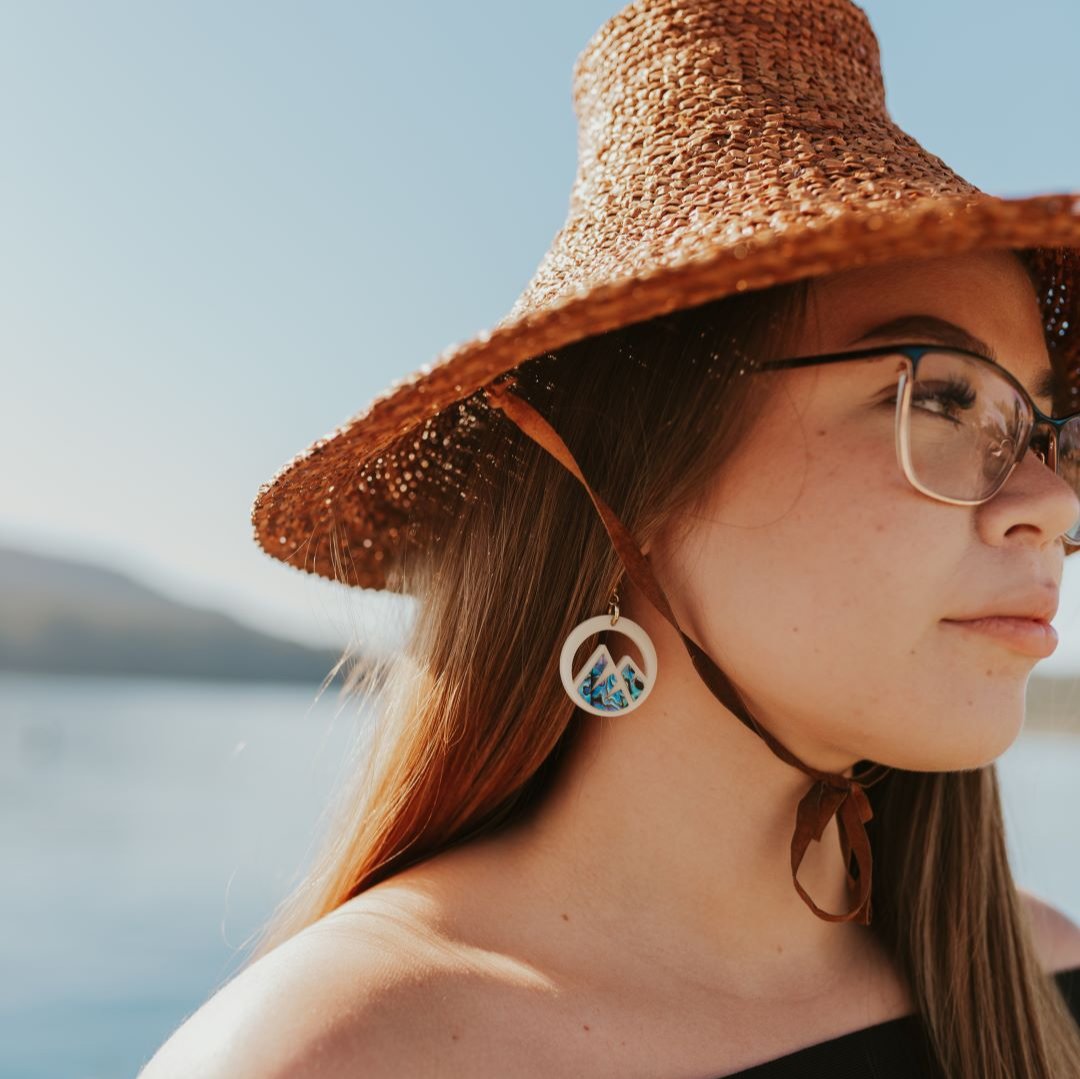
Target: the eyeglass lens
pixel 966 426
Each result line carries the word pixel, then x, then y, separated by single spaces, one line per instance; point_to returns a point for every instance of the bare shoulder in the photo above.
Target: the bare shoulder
pixel 376 988
pixel 1057 936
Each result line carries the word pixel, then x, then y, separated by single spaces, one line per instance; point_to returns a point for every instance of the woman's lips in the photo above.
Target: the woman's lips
pixel 1031 636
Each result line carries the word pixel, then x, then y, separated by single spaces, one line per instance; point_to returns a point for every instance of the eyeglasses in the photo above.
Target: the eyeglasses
pixel 963 423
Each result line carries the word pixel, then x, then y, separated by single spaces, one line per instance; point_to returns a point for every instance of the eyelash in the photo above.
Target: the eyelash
pixel 954 393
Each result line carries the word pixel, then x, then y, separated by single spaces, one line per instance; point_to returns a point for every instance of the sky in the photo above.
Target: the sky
pixel 230 224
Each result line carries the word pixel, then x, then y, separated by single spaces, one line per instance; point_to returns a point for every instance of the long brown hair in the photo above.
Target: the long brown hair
pixel 471 719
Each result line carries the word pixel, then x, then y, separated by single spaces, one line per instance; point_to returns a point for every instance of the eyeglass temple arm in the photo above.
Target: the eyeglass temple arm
pixel 834 357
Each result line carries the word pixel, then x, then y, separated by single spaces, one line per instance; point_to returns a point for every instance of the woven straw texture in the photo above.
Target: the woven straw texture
pixel 723 145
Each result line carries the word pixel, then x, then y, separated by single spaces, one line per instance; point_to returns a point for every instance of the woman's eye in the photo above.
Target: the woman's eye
pixel 947 399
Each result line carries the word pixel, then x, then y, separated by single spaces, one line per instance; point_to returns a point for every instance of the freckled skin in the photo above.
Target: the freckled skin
pixel 827 533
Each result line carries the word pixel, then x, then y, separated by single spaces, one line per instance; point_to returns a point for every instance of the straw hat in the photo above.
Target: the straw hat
pixel 724 145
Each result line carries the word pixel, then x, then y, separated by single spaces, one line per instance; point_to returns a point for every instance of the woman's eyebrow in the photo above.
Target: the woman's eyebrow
pixel 940 330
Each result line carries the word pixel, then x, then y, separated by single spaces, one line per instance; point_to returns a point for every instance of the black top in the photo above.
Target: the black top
pixel 895 1049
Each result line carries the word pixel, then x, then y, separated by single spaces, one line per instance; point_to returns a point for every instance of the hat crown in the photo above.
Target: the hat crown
pixel 732 52
pixel 704 123
pixel 729 66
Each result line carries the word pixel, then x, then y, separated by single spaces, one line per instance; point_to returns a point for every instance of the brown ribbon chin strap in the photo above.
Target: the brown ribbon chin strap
pixel 830 794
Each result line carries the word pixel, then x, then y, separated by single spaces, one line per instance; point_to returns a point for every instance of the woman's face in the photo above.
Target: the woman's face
pixel 818 578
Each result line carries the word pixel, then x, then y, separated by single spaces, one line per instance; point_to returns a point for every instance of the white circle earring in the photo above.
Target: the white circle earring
pixel 602 686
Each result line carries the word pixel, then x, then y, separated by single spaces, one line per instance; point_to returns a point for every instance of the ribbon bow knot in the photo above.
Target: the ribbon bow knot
pixel 847 800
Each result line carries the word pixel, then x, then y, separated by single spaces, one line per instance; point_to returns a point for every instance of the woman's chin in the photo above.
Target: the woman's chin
pixel 983 748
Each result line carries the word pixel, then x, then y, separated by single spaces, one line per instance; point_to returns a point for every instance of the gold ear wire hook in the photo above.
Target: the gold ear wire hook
pixel 613 607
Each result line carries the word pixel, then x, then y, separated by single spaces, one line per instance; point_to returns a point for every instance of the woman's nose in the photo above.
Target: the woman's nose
pixel 1035 503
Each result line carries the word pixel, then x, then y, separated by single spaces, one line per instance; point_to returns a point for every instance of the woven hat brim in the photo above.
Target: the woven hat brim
pixel 321 512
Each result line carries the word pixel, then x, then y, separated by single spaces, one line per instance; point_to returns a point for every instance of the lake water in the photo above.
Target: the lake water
pixel 148 828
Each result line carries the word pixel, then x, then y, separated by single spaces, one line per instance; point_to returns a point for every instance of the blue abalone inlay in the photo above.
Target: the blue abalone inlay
pixel 634 681
pixel 603 693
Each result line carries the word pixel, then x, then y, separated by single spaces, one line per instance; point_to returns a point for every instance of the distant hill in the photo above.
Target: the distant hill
pixel 67 617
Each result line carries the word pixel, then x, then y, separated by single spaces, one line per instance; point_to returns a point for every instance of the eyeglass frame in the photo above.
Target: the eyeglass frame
pixel 912 354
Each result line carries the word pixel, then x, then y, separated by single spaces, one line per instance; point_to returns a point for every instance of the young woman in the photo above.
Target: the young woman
pixel 784 417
